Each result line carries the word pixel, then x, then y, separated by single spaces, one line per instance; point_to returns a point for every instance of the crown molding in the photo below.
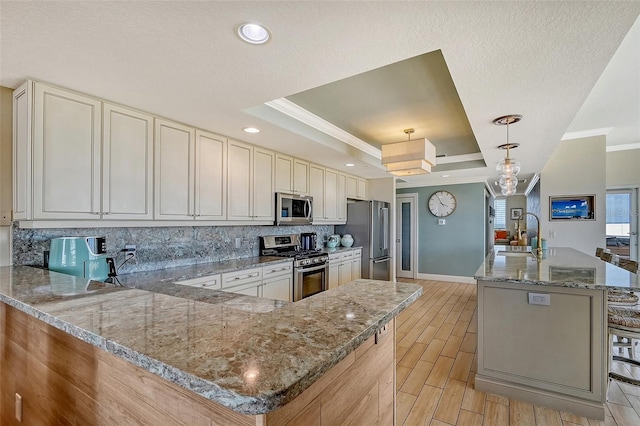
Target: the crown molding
pixel 624 147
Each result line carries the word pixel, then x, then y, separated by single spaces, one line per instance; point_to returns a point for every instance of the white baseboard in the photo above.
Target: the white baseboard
pixel 449 278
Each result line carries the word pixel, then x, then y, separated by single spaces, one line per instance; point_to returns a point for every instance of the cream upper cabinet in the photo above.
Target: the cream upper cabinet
pixel 263 184
pixel 356 187
pixel 127 164
pixel 250 181
pixel 331 195
pixel 362 189
pixel 316 190
pixel 342 197
pixel 210 176
pixel 174 179
pixel 284 173
pixel 300 176
pixel 22 101
pixel 66 155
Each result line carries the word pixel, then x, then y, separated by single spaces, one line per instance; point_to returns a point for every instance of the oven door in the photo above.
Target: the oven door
pixel 309 281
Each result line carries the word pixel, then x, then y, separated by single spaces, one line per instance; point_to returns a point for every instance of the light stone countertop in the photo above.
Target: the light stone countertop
pixel 330 250
pixel 249 354
pixel 558 266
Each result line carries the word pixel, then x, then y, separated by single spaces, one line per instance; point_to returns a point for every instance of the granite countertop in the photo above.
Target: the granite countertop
pixel 330 250
pixel 557 266
pixel 249 354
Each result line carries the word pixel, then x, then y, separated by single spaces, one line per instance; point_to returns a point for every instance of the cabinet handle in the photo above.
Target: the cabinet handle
pixel 95 212
pixel 106 213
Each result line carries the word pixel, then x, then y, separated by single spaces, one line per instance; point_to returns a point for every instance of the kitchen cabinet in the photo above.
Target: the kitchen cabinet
pixel 22 101
pixel 127 163
pixel 331 195
pixel 316 190
pixel 174 179
pixel 211 282
pixel 250 182
pixel 342 198
pixel 324 188
pixel 284 173
pixel 342 265
pixel 210 176
pixel 277 282
pixel 300 177
pixel 356 265
pixel 356 187
pixel 66 154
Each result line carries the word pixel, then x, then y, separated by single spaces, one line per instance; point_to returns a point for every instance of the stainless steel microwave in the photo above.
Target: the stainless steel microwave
pixel 293 209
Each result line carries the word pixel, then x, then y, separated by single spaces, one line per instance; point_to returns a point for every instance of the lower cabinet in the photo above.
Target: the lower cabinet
pixel 279 288
pixel 271 282
pixel 211 282
pixel 344 267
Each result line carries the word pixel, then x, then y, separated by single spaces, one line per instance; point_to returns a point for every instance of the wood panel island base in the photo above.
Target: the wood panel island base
pixel 93 354
pixel 542 327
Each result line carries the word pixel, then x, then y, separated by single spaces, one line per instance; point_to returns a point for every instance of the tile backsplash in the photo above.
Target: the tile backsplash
pixel 160 247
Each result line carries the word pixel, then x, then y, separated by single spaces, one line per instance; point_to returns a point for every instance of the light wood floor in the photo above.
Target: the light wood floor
pixel 436 360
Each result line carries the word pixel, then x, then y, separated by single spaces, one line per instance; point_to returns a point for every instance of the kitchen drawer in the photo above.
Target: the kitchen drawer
pixel 346 256
pixel 248 289
pixel 334 257
pixel 241 277
pixel 210 281
pixel 277 270
pixel 357 253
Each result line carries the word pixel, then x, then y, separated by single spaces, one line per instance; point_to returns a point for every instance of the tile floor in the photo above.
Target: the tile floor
pixel 436 360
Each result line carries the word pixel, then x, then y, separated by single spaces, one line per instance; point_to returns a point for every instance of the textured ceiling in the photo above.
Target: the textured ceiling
pixel 182 60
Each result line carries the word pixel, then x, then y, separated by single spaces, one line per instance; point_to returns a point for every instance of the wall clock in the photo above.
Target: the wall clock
pixel 442 203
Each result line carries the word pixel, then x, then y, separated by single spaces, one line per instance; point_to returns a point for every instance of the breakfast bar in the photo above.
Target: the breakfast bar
pixel 542 326
pixel 96 353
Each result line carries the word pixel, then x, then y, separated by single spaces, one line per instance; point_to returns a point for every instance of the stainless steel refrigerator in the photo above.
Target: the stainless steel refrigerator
pixel 368 223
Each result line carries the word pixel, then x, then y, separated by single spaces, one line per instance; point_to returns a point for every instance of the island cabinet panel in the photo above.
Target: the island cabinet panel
pixel 360 389
pixel 559 347
pixel 63 380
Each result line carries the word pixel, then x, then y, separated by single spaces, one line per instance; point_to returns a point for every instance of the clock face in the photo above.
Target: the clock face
pixel 442 203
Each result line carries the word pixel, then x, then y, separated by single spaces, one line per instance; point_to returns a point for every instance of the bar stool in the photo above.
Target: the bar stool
pixel 599 251
pixel 607 257
pixel 629 265
pixel 622 298
pixel 623 322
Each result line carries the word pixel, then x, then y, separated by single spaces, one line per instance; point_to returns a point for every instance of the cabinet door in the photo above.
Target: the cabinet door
pixel 334 275
pixel 127 161
pixel 22 101
pixel 239 180
pixel 247 290
pixel 174 158
pixel 300 176
pixel 316 190
pixel 211 177
pixel 331 195
pixel 66 155
pixel 356 265
pixel 263 177
pixel 280 288
pixel 284 173
pixel 345 272
pixel 342 197
pixel 352 186
pixel 362 189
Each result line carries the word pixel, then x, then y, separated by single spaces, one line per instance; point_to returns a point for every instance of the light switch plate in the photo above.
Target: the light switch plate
pixel 441 221
pixel 539 299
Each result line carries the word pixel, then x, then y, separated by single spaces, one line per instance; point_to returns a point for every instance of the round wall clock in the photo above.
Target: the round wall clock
pixel 442 203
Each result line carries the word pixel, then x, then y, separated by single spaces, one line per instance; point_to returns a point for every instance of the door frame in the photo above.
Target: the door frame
pixel 412 198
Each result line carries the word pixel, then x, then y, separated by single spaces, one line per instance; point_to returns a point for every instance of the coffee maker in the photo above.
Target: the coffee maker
pixel 308 241
pixel 80 256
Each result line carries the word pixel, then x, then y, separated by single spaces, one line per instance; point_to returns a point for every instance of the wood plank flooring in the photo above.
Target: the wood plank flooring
pixel 436 361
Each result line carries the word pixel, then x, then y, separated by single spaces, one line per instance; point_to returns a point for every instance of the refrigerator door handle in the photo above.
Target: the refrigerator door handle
pixel 386 259
pixel 385 228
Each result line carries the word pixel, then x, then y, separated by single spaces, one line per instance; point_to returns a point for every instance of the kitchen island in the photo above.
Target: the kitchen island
pixel 83 352
pixel 542 326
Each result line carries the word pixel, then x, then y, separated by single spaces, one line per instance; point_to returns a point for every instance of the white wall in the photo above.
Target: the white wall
pixel 623 169
pixel 6 175
pixel 516 202
pixel 577 167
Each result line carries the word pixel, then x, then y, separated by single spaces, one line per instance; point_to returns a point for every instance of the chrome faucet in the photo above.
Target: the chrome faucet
pixel 539 247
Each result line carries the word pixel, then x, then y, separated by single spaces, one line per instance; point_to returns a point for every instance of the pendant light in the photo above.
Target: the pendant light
pixel 508 167
pixel 412 157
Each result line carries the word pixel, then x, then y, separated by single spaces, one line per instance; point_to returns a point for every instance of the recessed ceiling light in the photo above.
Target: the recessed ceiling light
pixel 349 164
pixel 251 130
pixel 253 33
pixel 445 176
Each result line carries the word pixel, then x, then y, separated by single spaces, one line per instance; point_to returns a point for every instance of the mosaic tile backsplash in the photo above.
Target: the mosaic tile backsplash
pixel 162 247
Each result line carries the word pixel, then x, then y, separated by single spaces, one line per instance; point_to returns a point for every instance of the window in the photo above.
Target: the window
pixel 501 213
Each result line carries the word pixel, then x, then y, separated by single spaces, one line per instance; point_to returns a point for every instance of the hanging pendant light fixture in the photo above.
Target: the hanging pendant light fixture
pixel 412 157
pixel 508 167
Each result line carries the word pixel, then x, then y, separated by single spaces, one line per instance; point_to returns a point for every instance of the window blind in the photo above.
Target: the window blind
pixel 501 214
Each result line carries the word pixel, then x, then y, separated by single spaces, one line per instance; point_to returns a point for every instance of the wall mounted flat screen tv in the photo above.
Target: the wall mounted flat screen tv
pixel 574 207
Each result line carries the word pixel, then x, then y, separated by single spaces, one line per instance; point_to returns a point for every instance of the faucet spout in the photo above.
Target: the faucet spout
pixel 539 247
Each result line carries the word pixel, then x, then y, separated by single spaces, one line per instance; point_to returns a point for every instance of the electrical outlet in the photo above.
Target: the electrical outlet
pixel 238 242
pixel 129 251
pixel 539 299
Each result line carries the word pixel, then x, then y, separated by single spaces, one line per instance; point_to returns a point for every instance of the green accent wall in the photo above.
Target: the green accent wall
pixel 456 248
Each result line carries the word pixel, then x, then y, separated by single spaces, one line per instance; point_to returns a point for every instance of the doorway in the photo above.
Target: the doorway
pixel 622 222
pixel 406 236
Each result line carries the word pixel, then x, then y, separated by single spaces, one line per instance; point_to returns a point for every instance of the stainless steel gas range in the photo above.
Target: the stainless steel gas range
pixel 311 267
